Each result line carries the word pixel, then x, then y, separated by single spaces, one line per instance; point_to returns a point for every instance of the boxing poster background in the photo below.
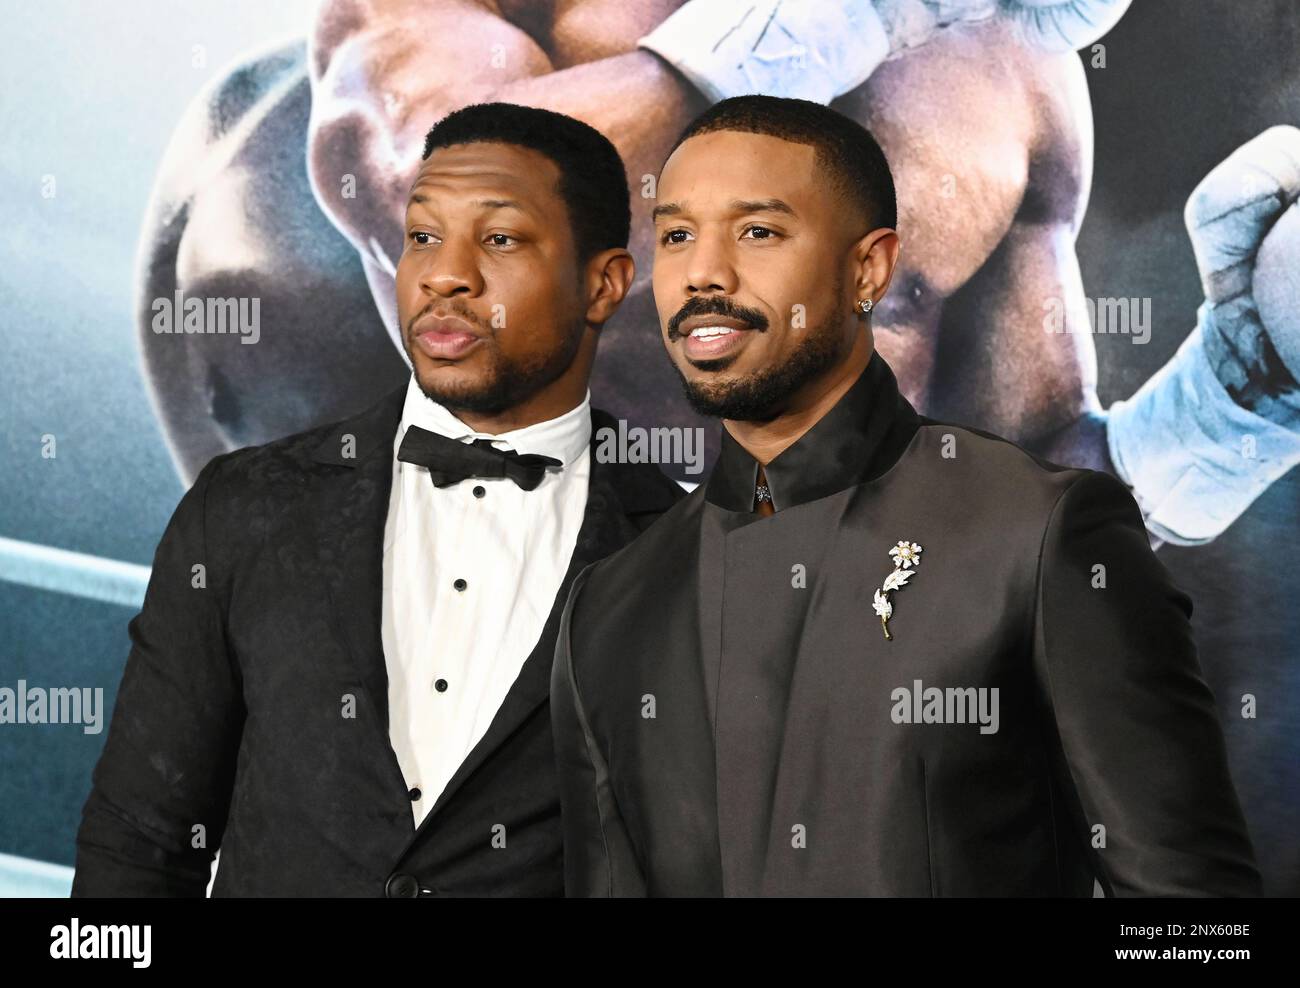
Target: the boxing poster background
pixel 151 148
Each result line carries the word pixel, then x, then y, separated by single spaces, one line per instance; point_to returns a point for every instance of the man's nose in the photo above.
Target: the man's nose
pixel 710 268
pixel 452 270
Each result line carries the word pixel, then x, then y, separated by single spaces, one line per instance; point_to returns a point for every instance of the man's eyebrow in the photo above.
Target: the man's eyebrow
pixel 736 206
pixel 762 206
pixel 500 204
pixel 418 198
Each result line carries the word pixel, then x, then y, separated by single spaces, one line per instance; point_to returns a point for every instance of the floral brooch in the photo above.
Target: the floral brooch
pixel 906 556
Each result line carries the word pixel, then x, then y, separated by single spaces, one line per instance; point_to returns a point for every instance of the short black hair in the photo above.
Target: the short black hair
pixel 593 182
pixel 847 150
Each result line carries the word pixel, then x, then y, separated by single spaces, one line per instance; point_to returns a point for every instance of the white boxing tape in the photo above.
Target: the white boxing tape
pixel 1064 25
pixel 820 49
pixel 813 51
pixel 1195 458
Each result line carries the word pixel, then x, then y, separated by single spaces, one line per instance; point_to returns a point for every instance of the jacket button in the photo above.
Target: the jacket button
pixel 402 886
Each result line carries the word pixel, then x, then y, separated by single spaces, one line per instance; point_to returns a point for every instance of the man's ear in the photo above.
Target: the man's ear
pixel 874 259
pixel 609 276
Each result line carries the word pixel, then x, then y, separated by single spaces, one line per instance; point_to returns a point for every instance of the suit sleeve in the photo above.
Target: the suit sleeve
pixel 161 789
pixel 1142 751
pixel 599 861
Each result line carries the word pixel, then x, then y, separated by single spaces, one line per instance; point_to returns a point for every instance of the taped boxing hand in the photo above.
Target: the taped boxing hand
pixel 1219 423
pixel 1053 26
pixel 1063 25
pixel 806 49
pixel 1245 231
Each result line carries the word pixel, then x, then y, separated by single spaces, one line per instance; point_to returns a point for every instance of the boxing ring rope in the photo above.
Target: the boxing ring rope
pixel 25 878
pixel 76 573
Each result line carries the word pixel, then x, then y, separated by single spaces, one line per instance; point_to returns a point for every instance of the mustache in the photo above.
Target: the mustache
pixel 715 305
pixel 452 307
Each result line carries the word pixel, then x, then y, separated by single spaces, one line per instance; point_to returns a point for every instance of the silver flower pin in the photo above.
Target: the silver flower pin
pixel 906 556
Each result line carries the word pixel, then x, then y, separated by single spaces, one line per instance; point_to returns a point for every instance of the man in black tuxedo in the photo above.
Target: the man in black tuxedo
pixel 875 653
pixel 339 676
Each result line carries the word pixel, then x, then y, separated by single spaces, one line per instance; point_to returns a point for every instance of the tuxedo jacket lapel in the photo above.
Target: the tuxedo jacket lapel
pixel 605 528
pixel 350 509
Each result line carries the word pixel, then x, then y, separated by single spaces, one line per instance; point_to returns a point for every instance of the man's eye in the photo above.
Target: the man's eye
pixel 759 233
pixel 675 237
pixel 500 239
pixel 416 236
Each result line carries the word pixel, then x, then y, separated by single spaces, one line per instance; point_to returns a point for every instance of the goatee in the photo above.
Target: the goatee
pixel 761 395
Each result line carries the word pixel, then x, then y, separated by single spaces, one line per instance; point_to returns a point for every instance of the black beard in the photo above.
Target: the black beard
pixel 760 396
pixel 509 383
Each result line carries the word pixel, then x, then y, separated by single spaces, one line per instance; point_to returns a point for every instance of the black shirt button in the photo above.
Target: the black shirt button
pixel 480 492
pixel 402 886
pixel 415 794
pixel 441 686
pixel 460 584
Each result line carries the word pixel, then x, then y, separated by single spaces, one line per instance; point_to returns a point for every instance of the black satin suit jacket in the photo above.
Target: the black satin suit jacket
pixel 726 726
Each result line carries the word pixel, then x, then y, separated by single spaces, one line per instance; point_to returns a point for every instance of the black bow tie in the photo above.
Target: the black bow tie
pixel 450 461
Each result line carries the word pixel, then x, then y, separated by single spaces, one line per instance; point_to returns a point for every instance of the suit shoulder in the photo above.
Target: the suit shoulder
pixel 1100 493
pixel 284 468
pixel 276 462
pixel 1008 486
pixel 993 463
pixel 672 539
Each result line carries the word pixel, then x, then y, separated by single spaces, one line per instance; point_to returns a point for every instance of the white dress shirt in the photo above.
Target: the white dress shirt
pixel 453 654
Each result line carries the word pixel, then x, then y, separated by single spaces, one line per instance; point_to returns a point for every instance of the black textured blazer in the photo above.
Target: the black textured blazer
pixel 231 728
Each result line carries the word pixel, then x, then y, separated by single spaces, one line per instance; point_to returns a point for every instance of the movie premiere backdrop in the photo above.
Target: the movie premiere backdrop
pixel 197 257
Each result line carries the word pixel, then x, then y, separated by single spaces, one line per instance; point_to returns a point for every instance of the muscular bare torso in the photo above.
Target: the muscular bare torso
pixel 989 146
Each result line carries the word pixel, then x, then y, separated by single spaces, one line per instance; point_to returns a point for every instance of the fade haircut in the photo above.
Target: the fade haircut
pixel 593 183
pixel 845 149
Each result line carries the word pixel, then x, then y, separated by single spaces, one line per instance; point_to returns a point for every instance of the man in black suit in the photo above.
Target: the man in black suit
pixel 339 676
pixel 875 653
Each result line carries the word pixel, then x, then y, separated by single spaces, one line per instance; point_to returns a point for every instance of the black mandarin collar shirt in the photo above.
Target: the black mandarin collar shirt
pixel 858 440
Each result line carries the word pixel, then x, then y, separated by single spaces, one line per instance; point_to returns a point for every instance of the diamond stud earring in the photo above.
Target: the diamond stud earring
pixel 865 305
